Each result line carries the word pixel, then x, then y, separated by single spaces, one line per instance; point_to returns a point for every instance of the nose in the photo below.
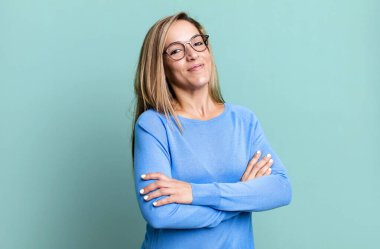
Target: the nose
pixel 191 54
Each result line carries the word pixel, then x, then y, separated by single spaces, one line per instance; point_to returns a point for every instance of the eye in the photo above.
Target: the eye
pixel 175 51
pixel 200 43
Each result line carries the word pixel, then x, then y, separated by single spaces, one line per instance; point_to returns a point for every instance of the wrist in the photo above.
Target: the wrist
pixel 205 194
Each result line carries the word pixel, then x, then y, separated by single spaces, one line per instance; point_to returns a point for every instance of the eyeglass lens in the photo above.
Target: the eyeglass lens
pixel 177 50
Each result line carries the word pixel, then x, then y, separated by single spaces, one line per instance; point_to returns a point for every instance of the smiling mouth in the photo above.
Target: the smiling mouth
pixel 195 68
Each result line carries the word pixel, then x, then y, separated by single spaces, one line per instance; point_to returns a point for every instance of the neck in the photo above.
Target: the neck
pixel 194 104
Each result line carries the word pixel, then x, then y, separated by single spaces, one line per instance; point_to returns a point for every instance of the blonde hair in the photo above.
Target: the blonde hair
pixel 151 88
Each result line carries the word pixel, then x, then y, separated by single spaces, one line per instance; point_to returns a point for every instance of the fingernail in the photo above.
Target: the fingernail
pixel 142 191
pixel 154 203
pixel 146 197
pixel 143 176
pixel 258 152
pixel 271 160
pixel 268 155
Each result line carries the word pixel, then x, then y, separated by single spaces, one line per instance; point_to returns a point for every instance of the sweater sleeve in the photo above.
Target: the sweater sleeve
pixel 259 194
pixel 151 154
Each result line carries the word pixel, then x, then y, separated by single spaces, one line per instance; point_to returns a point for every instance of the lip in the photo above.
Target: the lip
pixel 195 67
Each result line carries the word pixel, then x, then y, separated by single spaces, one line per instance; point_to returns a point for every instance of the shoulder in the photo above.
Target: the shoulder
pixel 152 122
pixel 243 113
pixel 150 130
pixel 249 119
pixel 150 117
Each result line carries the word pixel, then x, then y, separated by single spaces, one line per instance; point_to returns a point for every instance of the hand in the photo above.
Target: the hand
pixel 177 191
pixel 257 169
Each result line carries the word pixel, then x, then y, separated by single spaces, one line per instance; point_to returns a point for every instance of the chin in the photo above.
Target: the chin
pixel 202 80
pixel 200 84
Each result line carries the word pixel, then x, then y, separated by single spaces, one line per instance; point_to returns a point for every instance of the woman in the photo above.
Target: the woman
pixel 201 165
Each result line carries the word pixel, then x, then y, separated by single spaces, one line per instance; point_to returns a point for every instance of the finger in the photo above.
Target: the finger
pixel 265 168
pixel 163 201
pixel 262 171
pixel 259 165
pixel 154 176
pixel 269 171
pixel 155 185
pixel 251 163
pixel 158 193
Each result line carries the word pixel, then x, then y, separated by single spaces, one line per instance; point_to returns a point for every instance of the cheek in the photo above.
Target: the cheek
pixel 209 67
pixel 208 61
pixel 169 71
pixel 173 72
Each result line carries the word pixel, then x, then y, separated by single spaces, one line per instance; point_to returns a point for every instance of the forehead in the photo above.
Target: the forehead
pixel 180 30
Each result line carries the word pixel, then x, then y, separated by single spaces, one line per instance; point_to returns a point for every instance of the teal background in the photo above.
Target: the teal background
pixel 309 70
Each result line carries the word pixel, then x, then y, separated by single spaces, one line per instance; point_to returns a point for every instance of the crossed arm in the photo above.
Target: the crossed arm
pixel 177 191
pixel 178 204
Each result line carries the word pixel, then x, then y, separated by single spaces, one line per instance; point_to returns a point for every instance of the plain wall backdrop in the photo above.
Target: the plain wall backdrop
pixel 308 69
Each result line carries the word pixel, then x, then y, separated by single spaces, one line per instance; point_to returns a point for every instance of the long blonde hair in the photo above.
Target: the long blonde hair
pixel 151 88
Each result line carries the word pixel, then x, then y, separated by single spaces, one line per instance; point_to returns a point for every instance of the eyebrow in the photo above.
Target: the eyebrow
pixel 181 42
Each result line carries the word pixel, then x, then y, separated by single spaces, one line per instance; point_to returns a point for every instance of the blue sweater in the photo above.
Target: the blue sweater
pixel 212 155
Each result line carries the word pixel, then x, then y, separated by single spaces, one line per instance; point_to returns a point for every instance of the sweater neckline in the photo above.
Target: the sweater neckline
pixel 226 108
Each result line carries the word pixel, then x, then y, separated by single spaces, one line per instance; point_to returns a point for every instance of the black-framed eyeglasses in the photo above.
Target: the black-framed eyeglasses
pixel 177 50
